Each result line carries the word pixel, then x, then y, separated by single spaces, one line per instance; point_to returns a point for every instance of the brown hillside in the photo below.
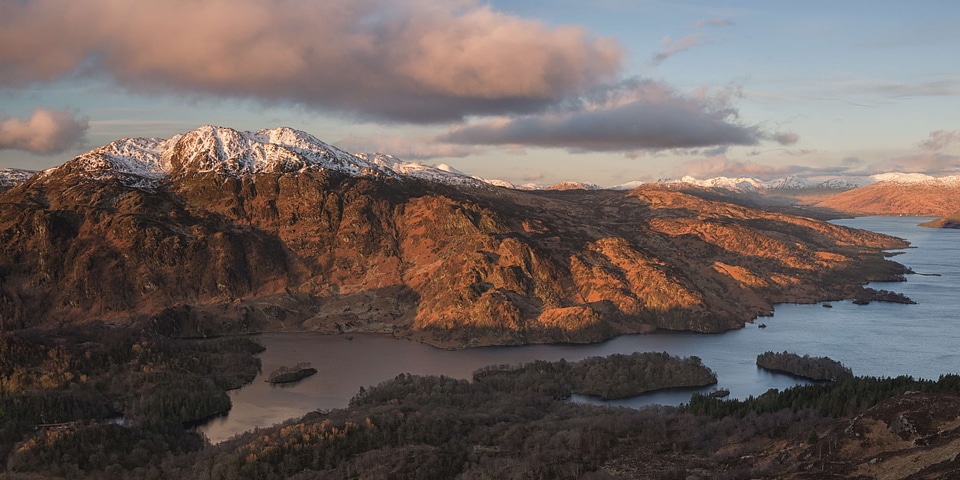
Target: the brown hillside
pixel 205 253
pixel 892 198
pixel 950 221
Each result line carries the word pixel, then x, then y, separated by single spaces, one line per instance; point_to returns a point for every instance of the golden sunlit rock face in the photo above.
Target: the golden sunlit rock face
pixel 205 254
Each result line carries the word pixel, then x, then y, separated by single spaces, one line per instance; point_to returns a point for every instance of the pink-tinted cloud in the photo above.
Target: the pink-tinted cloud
pixel 940 139
pixel 409 60
pixel 670 47
pixel 720 165
pixel 931 163
pixel 45 132
pixel 636 115
pixel 407 148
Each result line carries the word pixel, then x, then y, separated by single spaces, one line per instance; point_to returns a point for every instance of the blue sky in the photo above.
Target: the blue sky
pixel 604 92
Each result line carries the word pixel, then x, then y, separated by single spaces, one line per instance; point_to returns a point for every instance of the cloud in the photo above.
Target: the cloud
pixel 720 165
pixel 940 139
pixel 669 47
pixel 930 163
pixel 635 115
pixel 45 132
pixel 936 88
pixel 935 164
pixel 713 22
pixel 400 60
pixel 407 148
pixel 785 138
pixel 534 177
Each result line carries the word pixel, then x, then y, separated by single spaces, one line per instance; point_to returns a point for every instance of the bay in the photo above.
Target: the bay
pixel 879 339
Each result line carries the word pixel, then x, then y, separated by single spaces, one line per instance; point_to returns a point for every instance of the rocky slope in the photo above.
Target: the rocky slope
pixel 10 177
pixel 217 231
pixel 910 436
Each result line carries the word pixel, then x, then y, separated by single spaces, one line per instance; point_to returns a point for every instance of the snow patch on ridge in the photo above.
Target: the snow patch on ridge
pixel 10 177
pixel 917 179
pixel 142 162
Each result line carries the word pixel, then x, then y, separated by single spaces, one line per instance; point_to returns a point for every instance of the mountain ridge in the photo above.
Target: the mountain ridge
pixel 146 162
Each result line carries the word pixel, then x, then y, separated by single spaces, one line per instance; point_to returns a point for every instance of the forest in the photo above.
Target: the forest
pixel 112 403
pixel 609 378
pixel 127 395
pixel 812 368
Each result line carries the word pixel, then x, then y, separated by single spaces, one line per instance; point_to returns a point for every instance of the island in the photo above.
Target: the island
pixel 609 378
pixel 811 368
pixel 291 375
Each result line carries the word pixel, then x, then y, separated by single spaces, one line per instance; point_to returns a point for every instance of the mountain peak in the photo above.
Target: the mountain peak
pixel 141 162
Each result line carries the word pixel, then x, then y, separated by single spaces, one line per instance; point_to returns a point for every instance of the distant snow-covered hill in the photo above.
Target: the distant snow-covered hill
pixel 13 176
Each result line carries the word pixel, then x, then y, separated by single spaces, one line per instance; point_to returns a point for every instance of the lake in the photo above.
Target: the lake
pixel 879 339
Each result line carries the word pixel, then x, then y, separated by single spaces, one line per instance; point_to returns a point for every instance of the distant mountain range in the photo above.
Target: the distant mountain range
pixel 140 161
pixel 221 231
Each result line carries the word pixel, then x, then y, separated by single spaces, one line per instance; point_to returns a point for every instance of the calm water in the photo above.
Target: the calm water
pixel 878 339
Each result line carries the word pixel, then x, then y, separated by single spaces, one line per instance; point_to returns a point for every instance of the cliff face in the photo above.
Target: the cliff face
pixel 203 253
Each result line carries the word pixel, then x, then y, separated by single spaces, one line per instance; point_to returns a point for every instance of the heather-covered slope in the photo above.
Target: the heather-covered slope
pixel 899 195
pixel 950 221
pixel 196 247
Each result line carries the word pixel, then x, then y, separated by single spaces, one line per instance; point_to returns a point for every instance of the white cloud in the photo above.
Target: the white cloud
pixel 670 47
pixel 45 132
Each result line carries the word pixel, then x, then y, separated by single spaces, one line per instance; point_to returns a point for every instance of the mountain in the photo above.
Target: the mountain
pixel 899 194
pixel 10 177
pixel 882 194
pixel 218 231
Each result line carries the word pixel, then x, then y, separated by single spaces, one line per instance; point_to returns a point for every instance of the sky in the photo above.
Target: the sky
pixel 605 92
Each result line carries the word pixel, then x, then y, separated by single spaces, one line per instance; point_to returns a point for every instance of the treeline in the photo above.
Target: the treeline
pixel 500 426
pixel 813 368
pixel 836 399
pixel 612 377
pixel 67 387
pixel 415 427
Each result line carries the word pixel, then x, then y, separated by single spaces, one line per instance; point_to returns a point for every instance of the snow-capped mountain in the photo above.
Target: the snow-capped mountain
pixel 797 183
pixel 629 185
pixel 141 162
pixel 569 185
pixel 790 182
pixel 916 178
pixel 739 184
pixel 441 173
pixel 12 176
